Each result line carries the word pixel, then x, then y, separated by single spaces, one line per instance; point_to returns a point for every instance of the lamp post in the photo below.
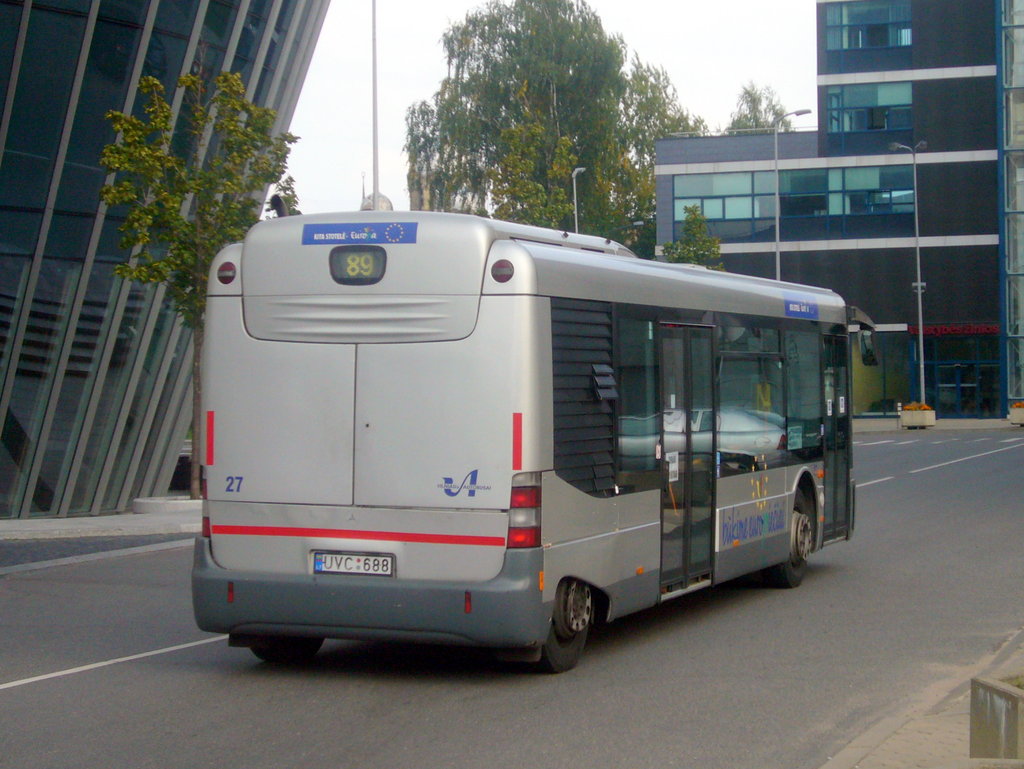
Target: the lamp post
pixel 775 130
pixel 575 207
pixel 918 284
pixel 376 165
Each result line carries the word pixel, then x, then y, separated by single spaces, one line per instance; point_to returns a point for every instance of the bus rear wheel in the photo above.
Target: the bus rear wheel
pixel 570 624
pixel 790 573
pixel 286 649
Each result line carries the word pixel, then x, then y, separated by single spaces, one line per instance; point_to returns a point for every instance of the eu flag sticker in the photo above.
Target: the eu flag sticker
pixel 800 307
pixel 358 233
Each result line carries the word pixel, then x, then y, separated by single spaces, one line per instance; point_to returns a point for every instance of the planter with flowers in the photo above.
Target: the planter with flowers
pixel 917 416
pixel 1017 413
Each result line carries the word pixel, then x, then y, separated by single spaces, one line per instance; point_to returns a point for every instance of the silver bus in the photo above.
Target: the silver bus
pixel 447 429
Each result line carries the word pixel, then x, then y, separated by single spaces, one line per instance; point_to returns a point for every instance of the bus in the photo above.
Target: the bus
pixel 441 428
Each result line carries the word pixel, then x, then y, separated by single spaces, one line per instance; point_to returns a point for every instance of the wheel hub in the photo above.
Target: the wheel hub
pixel 802 536
pixel 576 610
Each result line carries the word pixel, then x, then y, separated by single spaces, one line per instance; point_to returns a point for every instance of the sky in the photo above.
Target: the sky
pixel 709 50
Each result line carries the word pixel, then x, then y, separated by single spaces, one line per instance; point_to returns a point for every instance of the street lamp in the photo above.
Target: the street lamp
pixel 775 130
pixel 575 206
pixel 918 285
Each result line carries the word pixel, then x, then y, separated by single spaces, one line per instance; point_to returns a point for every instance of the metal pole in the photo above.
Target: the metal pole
pixel 775 130
pixel 376 164
pixel 778 255
pixel 918 284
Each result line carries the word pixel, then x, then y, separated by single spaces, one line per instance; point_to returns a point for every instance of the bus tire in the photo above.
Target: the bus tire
pixel 570 624
pixel 286 649
pixel 790 573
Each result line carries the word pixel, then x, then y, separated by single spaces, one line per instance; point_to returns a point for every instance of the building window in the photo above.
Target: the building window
pixel 867 24
pixel 870 107
pixel 740 206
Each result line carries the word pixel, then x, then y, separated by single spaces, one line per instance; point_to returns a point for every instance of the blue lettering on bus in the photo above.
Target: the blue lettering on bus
pixel 383 232
pixel 735 529
pixel 469 485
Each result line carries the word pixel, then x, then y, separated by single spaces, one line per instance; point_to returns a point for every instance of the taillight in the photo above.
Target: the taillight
pixel 524 517
pixel 207 529
pixel 519 537
pixel 525 496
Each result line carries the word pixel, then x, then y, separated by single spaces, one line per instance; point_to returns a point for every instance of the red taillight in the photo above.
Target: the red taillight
pixel 523 537
pixel 226 273
pixel 525 496
pixel 207 529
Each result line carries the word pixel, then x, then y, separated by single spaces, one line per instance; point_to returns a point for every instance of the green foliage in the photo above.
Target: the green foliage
pixel 191 188
pixel 757 109
pixel 515 192
pixel 536 88
pixel 696 245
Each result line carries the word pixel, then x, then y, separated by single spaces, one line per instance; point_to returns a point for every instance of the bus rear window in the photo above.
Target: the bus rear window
pixel 358 265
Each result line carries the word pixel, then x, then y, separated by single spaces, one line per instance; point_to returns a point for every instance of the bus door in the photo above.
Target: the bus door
pixel 687 454
pixel 837 438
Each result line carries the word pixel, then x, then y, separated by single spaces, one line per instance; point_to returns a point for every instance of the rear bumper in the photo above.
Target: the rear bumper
pixel 507 611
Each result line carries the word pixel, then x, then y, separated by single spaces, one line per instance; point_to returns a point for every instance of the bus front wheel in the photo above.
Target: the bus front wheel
pixel 570 624
pixel 790 573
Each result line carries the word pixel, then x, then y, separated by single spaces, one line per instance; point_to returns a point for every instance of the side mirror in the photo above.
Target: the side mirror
pixel 867 347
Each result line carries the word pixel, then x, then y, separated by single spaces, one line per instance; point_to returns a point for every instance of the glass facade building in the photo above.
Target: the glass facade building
pixel 892 75
pixel 1012 177
pixel 95 393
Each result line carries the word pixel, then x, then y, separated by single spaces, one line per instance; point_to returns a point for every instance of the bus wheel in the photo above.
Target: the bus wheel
pixel 286 649
pixel 791 572
pixel 570 624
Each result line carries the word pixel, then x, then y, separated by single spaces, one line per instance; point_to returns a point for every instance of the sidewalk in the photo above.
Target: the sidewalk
pixel 149 516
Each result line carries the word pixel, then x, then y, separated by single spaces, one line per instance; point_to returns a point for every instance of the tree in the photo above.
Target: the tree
pixel 696 245
pixel 534 89
pixel 757 108
pixel 190 189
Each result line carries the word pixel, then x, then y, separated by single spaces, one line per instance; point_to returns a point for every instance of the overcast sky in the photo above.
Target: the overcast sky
pixel 709 49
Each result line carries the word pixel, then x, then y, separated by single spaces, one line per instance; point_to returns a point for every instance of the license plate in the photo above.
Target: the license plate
pixel 369 564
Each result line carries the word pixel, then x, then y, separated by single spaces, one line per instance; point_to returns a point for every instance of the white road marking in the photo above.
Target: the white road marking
pixel 872 483
pixel 107 663
pixel 965 459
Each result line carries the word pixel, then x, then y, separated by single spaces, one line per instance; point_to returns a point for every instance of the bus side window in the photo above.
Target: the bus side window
pixel 639 421
pixel 803 372
pixel 751 423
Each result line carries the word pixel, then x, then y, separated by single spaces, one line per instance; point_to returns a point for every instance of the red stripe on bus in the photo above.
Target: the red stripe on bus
pixel 382 536
pixel 517 441
pixel 209 438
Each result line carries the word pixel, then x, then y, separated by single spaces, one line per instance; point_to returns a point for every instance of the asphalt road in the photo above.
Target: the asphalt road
pixel 736 677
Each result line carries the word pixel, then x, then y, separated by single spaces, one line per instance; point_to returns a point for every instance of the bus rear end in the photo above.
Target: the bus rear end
pixel 369 420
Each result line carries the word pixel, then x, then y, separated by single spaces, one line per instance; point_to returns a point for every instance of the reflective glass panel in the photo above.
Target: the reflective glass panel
pixel 40 103
pixel 103 88
pixel 1014 181
pixel 1015 243
pixel 138 418
pixel 1015 119
pixel 34 376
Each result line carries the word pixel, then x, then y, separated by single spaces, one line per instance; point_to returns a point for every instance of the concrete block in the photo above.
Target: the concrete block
pixel 997 720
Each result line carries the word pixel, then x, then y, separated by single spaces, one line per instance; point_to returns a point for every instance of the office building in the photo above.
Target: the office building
pixel 95 372
pixel 925 88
